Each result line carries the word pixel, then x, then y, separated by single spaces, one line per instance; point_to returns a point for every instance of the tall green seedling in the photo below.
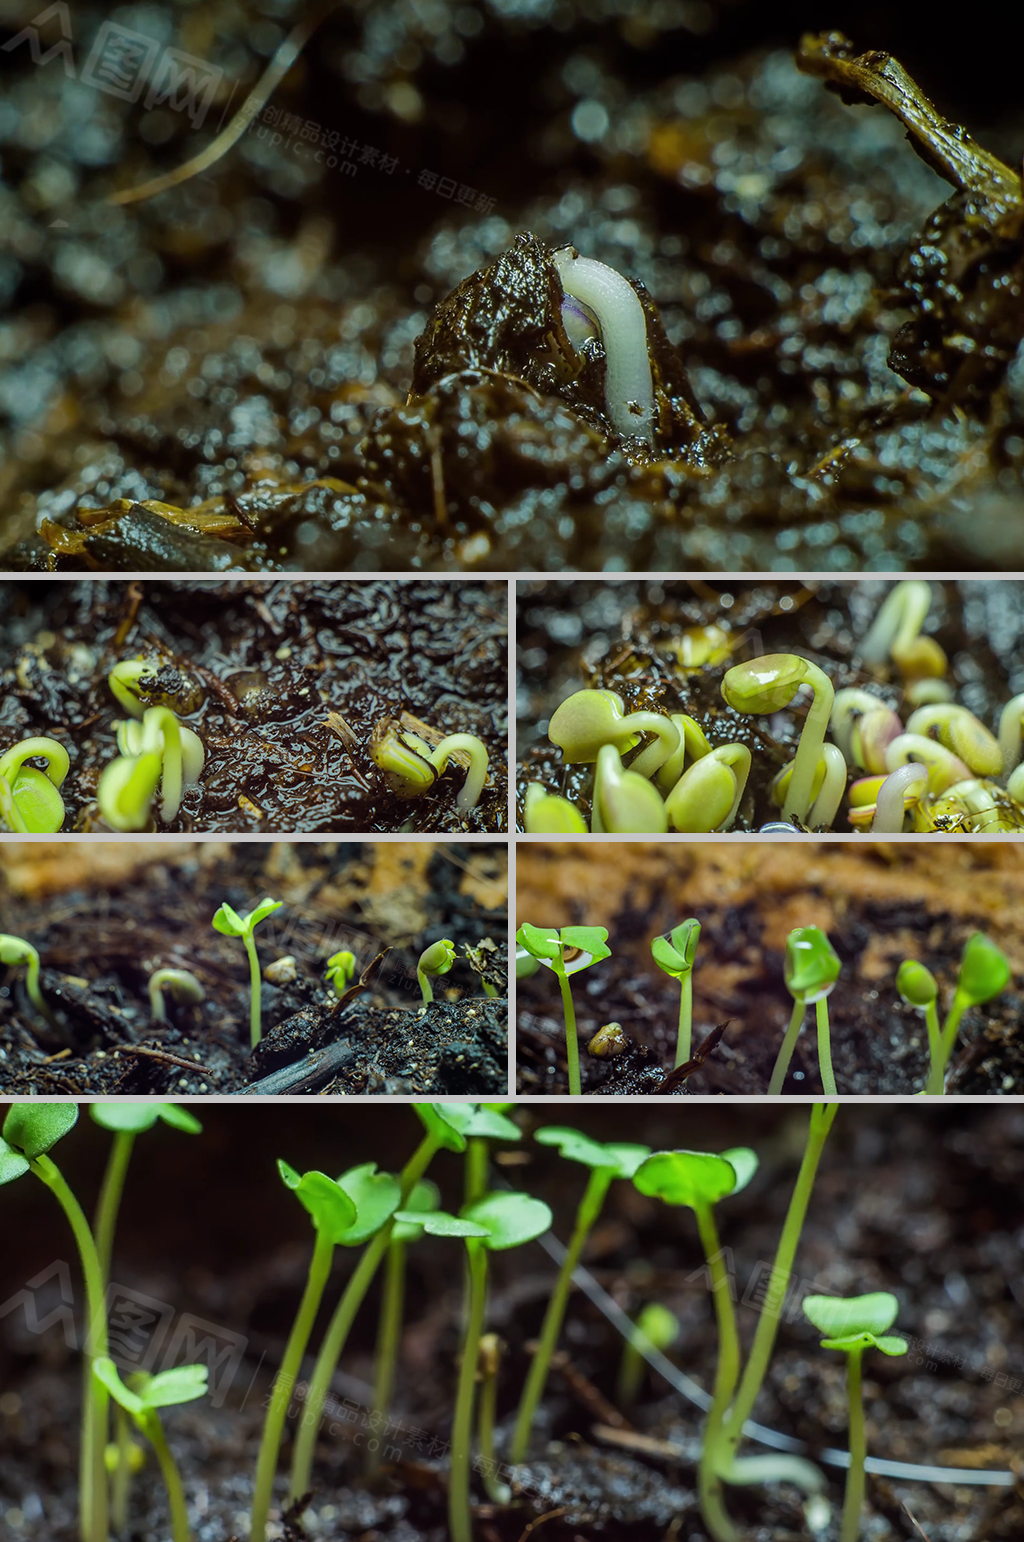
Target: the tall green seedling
pixel 508 1220
pixel 447 1126
pixel 30 1132
pixel 700 1181
pixel 811 970
pixel 565 953
pixel 230 924
pixel 853 1325
pixel 606 1163
pixel 344 1212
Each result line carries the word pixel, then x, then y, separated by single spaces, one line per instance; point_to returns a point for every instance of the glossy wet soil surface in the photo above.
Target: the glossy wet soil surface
pixel 879 904
pixel 626 637
pixel 256 369
pixel 101 931
pixel 927 1206
pixel 284 684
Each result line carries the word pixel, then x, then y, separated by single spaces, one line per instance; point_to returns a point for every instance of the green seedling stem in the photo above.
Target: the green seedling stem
pixel 675 954
pixel 93 1474
pixel 490 1364
pixel 786 1049
pixel 606 1163
pixel 853 1500
pixel 549 947
pixel 509 1220
pixel 334 1339
pixel 389 1332
pixel 828 1081
pixel 230 924
pixel 821 1121
pixel 14 951
pixel 811 970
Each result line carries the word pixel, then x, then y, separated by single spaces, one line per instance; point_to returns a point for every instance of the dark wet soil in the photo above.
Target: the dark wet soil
pixel 100 940
pixel 228 375
pixel 928 1206
pixel 620 635
pixel 878 904
pixel 284 684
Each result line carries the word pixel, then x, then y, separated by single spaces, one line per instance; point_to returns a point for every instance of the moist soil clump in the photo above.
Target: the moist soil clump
pixel 283 682
pixel 928 1206
pixel 100 936
pixel 879 905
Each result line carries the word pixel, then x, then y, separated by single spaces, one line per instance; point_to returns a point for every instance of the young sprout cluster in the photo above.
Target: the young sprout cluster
pixel 936 768
pixel 411 766
pixel 375 1216
pixel 811 970
pixel 156 751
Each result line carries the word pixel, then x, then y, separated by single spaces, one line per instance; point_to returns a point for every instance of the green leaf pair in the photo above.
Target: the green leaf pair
pixel 856 1322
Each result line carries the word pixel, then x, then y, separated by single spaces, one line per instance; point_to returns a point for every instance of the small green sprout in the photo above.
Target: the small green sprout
pixel 655 1326
pixel 15 951
pixel 505 1221
pixel 896 631
pixel 811 970
pixel 230 924
pixel 606 1163
pixel 340 972
pixel 826 790
pixel 30 800
pixel 624 802
pixel 565 953
pixel 545 814
pixel 125 682
pixel 344 1212
pixel 412 766
pixel 945 769
pixel 960 731
pixel 984 973
pixel 863 726
pixel 709 792
pixel 180 984
pixel 768 684
pixel 589 719
pixel 156 751
pixel 693 745
pixel 435 960
pixel 852 1325
pixel 676 954
pixel 183 1384
pixel 700 1181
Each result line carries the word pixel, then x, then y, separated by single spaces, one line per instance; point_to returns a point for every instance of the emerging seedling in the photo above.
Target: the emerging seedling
pixel 157 750
pixel 435 960
pixel 919 990
pixel 412 766
pixel 618 316
pixel 345 1212
pixel 606 1163
pixel 984 973
pixel 589 719
pixel 183 1384
pixel 655 1327
pixel 896 631
pixel 624 803
pixel 14 951
pixel 506 1221
pixel 30 800
pixel 708 793
pixel 700 1181
pixel 961 732
pixel 767 685
pixel 340 972
pixel 853 1325
pixel 179 984
pixel 125 682
pixel 230 924
pixel 546 814
pixel 566 953
pixel 676 954
pixel 811 971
